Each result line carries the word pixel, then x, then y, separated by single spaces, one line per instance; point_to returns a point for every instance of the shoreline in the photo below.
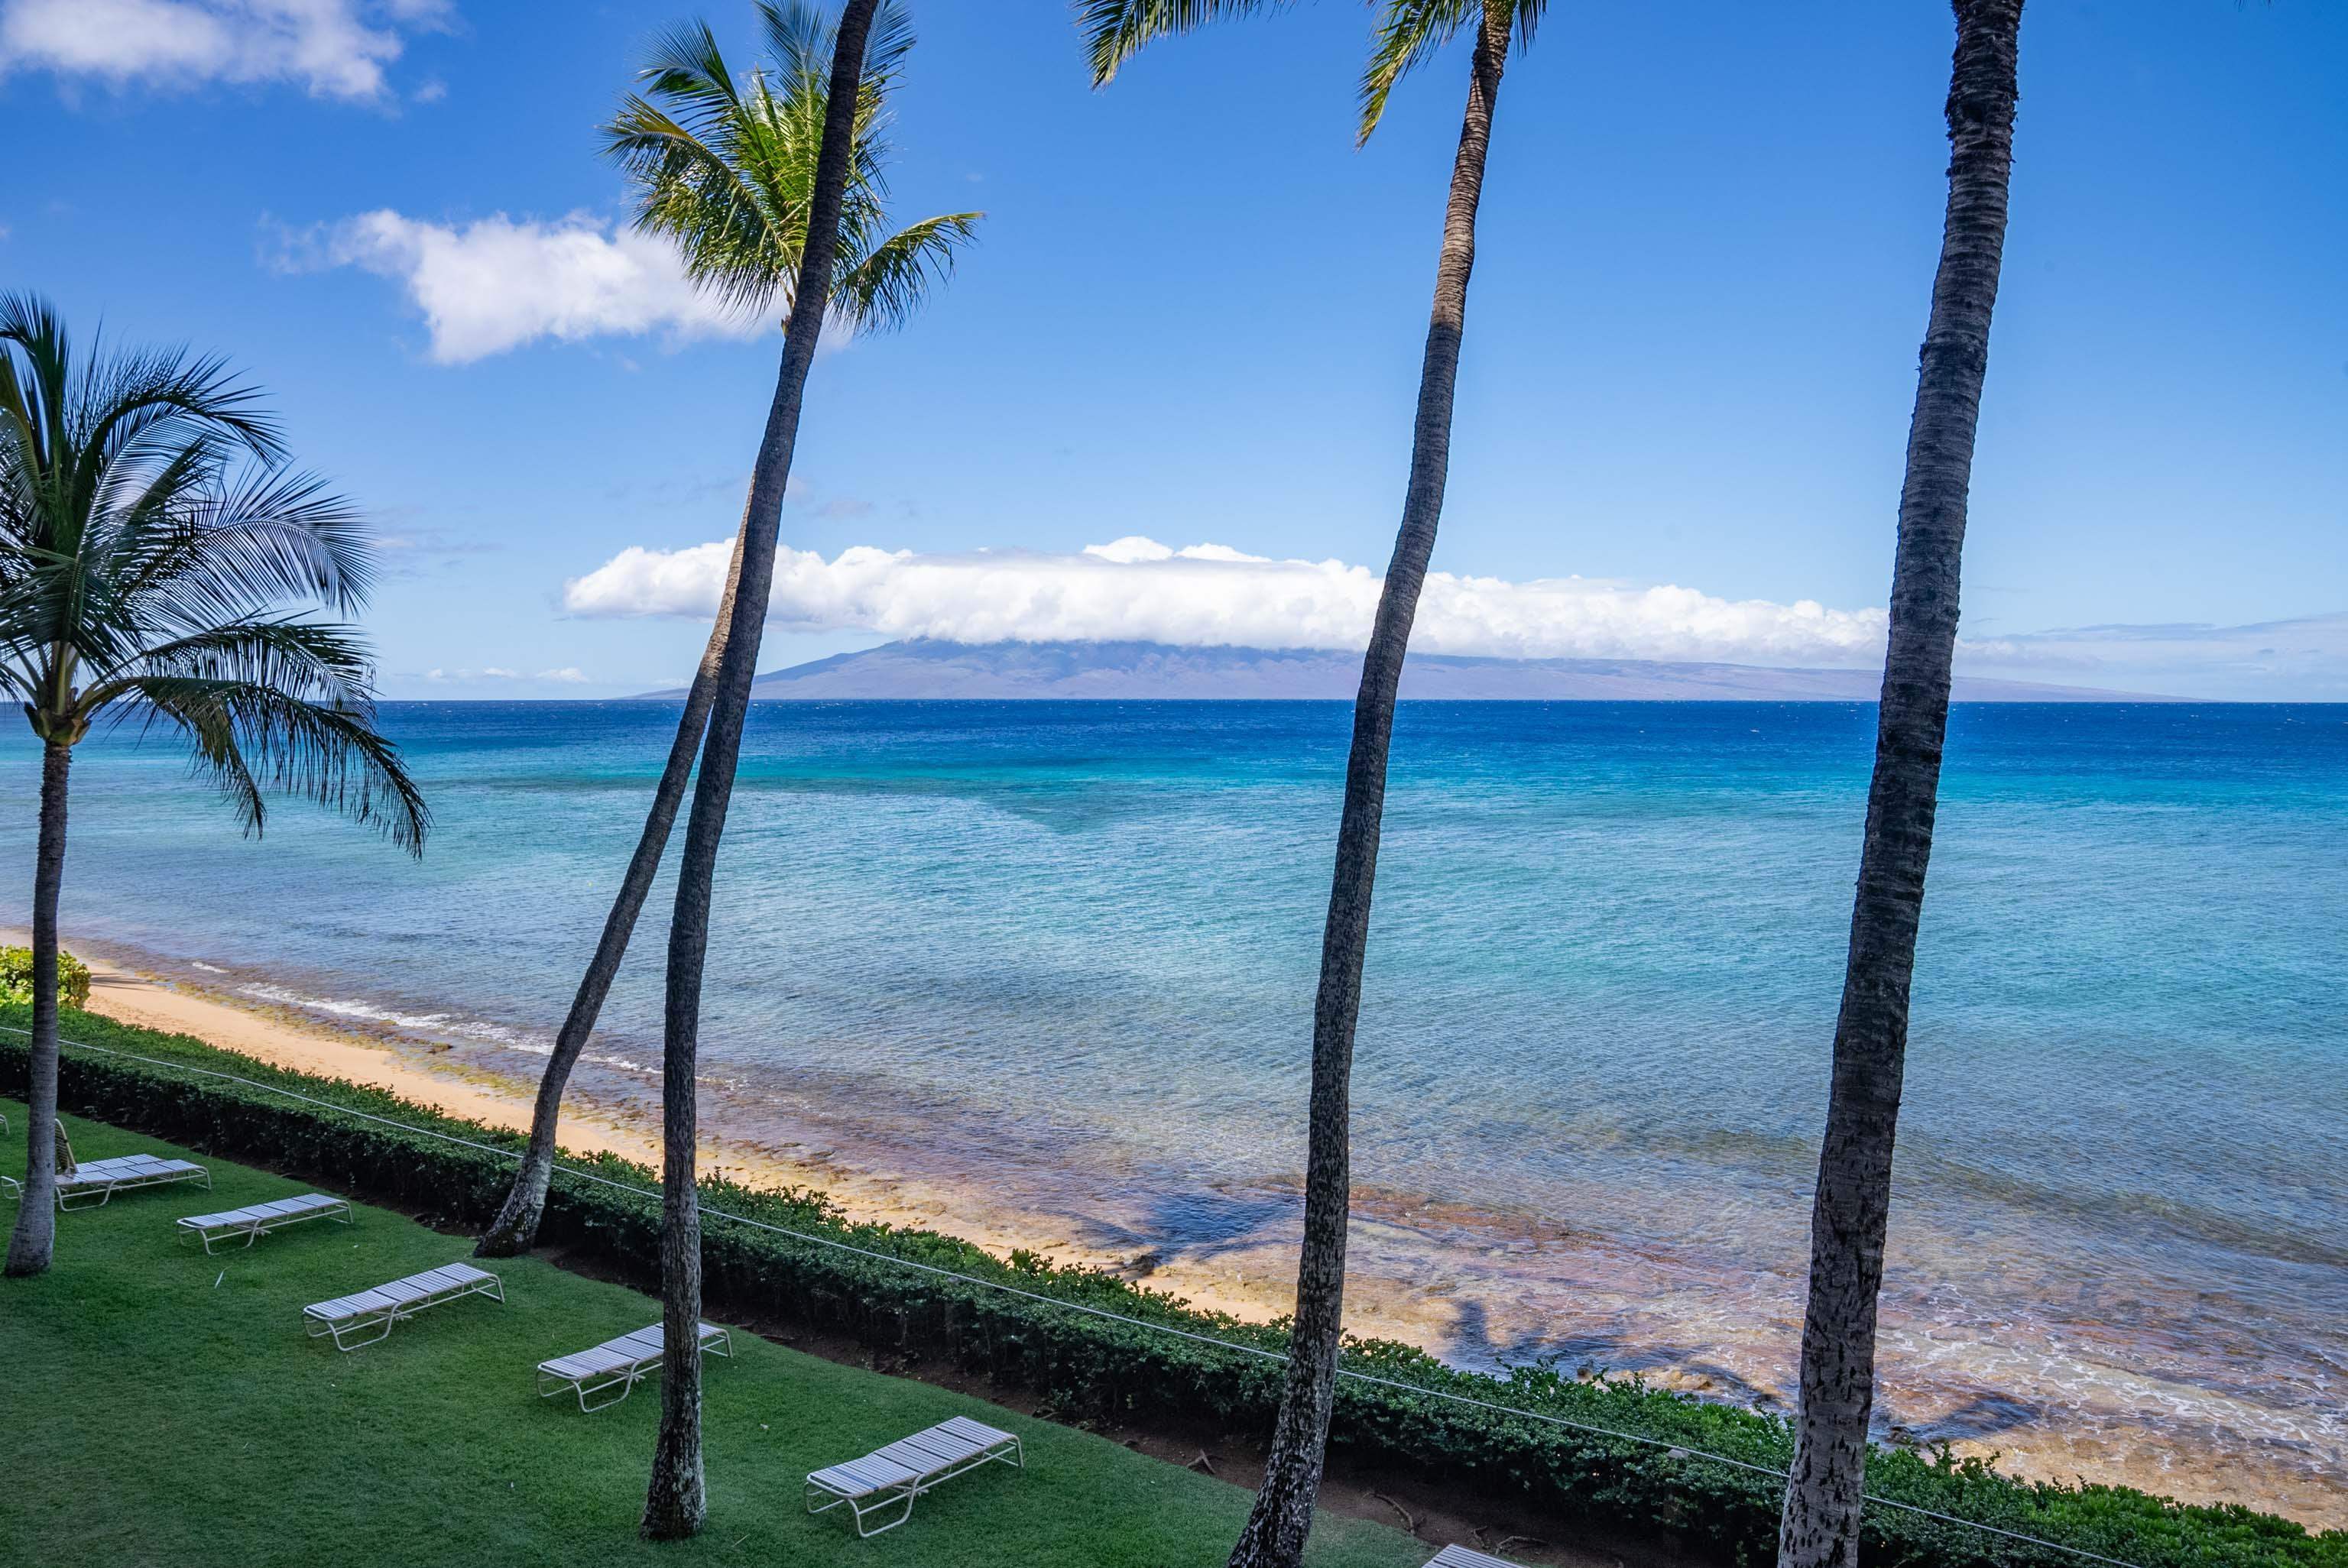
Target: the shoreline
pixel 428 1073
pixel 1420 1267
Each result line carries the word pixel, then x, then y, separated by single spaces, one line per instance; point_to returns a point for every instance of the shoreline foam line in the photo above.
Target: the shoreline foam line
pixel 1675 1450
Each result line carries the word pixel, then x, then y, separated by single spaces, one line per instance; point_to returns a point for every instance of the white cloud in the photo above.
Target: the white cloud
pixel 495 285
pixel 1212 595
pixel 334 48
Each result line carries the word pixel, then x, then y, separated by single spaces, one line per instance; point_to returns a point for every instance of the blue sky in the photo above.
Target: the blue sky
pixel 1195 314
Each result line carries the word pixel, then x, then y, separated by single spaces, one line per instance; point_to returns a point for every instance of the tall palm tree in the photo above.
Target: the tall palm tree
pixel 725 166
pixel 1409 33
pixel 719 179
pixel 152 539
pixel 1824 1493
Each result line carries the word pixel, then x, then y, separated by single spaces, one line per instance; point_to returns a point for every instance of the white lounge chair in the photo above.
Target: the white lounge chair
pixel 385 1305
pixel 619 1363
pixel 258 1220
pixel 892 1476
pixel 104 1178
pixel 1466 1557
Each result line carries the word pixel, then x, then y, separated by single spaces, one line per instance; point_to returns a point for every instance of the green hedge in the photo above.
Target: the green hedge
pixel 16 976
pixel 1089 1368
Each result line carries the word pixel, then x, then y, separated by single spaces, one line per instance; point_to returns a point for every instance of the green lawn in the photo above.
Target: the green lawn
pixel 159 1407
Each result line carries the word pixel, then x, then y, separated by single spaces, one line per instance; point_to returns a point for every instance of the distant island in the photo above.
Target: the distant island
pixel 926 667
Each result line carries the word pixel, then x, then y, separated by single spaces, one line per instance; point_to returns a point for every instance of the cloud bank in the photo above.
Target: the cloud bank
pixel 334 48
pixel 1214 595
pixel 494 284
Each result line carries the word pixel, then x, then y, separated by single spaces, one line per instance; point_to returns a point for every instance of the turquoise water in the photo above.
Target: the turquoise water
pixel 1066 953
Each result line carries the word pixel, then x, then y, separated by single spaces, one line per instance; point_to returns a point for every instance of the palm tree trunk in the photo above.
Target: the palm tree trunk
pixel 30 1244
pixel 515 1229
pixel 1824 1495
pixel 1282 1515
pixel 676 1503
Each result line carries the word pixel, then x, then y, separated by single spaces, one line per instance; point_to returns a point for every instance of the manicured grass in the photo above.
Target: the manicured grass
pixel 161 1407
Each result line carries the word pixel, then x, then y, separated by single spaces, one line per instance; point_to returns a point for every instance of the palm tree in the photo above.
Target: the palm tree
pixel 1824 1493
pixel 150 537
pixel 725 166
pixel 1409 33
pixel 726 177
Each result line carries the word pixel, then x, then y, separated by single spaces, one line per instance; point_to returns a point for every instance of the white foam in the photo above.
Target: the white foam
pixel 370 1012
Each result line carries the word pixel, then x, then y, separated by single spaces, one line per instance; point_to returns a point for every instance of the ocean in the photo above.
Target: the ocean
pixel 1058 959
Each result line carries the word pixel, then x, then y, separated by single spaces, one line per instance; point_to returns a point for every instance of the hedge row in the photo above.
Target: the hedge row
pixel 1085 1367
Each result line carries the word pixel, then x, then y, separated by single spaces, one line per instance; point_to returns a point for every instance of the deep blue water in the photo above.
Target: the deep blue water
pixel 1071 948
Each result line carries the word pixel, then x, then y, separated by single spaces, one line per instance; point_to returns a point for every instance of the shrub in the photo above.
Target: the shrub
pixel 833 1276
pixel 17 978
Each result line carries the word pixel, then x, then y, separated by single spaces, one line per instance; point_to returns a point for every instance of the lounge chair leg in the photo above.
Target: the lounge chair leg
pixel 882 1530
pixel 385 1321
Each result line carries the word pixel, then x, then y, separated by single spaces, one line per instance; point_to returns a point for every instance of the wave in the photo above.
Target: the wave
pixel 370 1012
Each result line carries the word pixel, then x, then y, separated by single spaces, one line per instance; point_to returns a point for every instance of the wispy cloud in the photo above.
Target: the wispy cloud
pixel 2303 659
pixel 497 284
pixel 334 48
pixel 1212 595
pixel 497 674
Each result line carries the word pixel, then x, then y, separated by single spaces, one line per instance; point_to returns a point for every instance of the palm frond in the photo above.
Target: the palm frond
pixel 32 326
pixel 254 739
pixel 248 541
pixel 684 67
pixel 888 283
pixel 306 660
pixel 1409 34
pixel 1114 30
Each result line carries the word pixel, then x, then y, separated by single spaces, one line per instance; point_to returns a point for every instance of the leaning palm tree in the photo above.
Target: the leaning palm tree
pixel 1409 34
pixel 720 175
pixel 1824 1493
pixel 725 166
pixel 152 544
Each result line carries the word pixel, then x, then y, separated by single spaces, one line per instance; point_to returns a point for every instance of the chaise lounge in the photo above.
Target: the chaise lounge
pixel 382 1308
pixel 258 1220
pixel 104 1178
pixel 892 1476
pixel 1466 1557
pixel 619 1363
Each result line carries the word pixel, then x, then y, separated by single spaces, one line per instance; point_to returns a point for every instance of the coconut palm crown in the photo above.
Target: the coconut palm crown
pixel 152 539
pixel 725 166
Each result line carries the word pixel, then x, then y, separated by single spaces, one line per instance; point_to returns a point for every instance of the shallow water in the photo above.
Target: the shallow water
pixel 1067 950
